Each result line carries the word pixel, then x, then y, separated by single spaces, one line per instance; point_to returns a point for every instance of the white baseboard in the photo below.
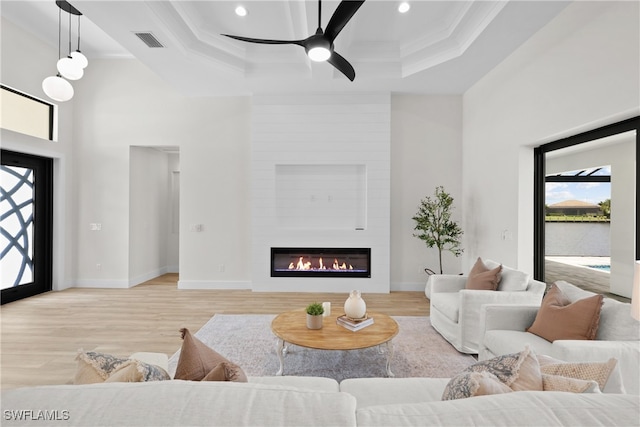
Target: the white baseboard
pixel 408 286
pixel 102 283
pixel 210 284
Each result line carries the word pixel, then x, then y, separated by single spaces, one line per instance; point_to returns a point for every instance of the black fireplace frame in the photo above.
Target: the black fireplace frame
pixel 317 252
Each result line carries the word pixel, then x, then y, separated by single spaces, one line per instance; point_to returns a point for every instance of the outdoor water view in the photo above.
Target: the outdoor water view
pixel 577 225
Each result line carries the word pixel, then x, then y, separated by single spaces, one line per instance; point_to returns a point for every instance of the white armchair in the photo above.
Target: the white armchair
pixel 455 311
pixel 503 332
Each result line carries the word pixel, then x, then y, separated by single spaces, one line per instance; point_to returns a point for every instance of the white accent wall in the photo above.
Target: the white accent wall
pixel 578 73
pixel 320 175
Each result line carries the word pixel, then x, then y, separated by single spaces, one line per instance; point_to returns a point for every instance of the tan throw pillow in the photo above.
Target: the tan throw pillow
pixel 559 319
pixel 482 278
pixel 573 385
pixel 94 367
pixel 224 371
pixel 470 384
pixel 197 360
pixel 519 371
pixel 589 371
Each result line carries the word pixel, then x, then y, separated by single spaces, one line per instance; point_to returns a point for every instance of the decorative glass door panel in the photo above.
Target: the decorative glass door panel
pixel 16 226
pixel 26 220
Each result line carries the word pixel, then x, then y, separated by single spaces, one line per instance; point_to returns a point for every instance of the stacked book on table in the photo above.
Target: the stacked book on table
pixel 354 324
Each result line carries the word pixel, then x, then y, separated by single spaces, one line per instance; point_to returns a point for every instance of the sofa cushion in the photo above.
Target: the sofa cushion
pixel 388 391
pixel 512 280
pixel 527 408
pixel 196 361
pixel 615 322
pixel 483 278
pixel 560 319
pixel 470 384
pixel 447 303
pixel 507 341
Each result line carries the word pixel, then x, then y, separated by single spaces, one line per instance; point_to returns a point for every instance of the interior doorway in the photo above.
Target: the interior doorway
pixel 154 212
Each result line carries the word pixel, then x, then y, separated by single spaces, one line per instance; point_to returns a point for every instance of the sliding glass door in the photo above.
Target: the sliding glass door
pixel 26 218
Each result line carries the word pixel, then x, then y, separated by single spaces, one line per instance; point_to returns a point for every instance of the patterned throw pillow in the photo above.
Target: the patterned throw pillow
pixel 94 367
pixel 519 371
pixel 470 384
pixel 196 362
pixel 138 371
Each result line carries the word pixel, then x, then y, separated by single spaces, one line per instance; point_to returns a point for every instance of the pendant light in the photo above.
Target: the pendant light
pixel 77 56
pixel 55 87
pixel 69 68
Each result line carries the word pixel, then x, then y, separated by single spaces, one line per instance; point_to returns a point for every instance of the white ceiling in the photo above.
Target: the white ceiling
pixel 437 47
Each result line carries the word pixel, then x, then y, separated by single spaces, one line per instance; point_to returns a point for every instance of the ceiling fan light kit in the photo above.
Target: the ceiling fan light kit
pixel 319 46
pixel 70 67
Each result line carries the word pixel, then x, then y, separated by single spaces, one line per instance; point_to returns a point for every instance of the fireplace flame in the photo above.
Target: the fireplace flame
pixel 302 265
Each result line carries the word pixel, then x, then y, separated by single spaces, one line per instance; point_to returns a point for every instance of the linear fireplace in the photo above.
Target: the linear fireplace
pixel 320 262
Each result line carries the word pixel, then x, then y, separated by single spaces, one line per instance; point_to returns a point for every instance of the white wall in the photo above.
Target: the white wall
pixel 577 73
pixel 25 72
pixel 122 104
pixel 426 151
pixel 321 133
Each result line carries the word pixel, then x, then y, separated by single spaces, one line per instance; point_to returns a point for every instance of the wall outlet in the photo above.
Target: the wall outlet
pixel 221 268
pixel 98 266
pixel 95 226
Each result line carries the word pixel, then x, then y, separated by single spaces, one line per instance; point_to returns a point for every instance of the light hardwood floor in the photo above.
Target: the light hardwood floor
pixel 41 335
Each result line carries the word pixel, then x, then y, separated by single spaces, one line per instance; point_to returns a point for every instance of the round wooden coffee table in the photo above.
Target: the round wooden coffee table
pixel 291 328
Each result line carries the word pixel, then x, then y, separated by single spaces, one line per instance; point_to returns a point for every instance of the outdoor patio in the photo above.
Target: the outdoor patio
pixel 581 276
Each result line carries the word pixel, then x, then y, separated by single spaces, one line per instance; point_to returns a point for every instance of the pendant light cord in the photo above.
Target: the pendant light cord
pixel 69 35
pixel 319 13
pixel 59 30
pixel 78 33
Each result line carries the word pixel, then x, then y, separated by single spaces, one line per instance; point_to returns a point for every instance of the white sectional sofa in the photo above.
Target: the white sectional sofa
pixel 300 401
pixel 504 331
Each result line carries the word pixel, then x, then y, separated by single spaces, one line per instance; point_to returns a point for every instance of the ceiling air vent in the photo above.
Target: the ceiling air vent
pixel 149 39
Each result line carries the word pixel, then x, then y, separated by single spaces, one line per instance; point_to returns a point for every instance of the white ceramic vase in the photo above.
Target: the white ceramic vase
pixel 354 306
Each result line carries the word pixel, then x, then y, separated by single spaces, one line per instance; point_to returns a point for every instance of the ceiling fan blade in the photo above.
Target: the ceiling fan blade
pixel 342 65
pixel 265 41
pixel 343 13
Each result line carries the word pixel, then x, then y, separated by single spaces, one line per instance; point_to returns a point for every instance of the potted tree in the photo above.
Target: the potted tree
pixel 435 227
pixel 314 315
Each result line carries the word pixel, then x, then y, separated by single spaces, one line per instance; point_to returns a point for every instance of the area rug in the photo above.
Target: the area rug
pixel 247 340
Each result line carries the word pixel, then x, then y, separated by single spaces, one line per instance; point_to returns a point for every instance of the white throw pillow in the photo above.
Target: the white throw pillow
pixel 512 280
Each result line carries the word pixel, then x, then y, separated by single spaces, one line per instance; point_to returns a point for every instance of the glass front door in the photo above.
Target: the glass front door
pixel 26 190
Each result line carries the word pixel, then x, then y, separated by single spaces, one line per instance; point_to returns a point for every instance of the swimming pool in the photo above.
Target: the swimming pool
pixel 603 267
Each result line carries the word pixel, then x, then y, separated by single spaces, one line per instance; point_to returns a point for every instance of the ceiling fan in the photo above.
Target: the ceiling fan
pixel 319 46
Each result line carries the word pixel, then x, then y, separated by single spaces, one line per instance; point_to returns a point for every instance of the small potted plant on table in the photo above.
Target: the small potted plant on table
pixel 314 315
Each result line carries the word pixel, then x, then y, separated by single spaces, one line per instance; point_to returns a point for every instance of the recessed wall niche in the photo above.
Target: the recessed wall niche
pixel 324 197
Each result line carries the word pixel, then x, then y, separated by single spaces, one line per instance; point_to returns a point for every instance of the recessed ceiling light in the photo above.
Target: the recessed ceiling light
pixel 241 11
pixel 404 7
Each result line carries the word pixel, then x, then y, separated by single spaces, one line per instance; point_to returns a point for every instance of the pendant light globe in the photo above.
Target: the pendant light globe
pixel 70 69
pixel 57 88
pixel 80 59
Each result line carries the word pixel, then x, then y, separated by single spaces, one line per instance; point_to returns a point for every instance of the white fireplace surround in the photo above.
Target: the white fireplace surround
pixel 321 178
